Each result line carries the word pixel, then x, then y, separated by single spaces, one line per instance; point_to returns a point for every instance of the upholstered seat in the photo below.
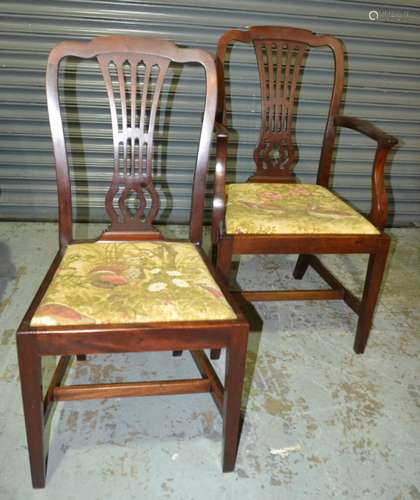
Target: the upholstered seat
pixel 131 283
pixel 269 208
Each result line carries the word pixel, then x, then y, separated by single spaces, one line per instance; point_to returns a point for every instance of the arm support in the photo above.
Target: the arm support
pixel 219 180
pixel 385 142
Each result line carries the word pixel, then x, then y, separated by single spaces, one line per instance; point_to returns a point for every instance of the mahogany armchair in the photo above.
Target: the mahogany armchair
pixel 130 290
pixel 271 213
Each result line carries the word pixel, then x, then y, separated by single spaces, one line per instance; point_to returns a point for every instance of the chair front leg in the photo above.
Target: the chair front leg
pixel 31 385
pixel 224 256
pixel 224 263
pixel 374 275
pixel 234 378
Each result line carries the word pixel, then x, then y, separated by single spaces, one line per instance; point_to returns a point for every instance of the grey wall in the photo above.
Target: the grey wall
pixel 383 85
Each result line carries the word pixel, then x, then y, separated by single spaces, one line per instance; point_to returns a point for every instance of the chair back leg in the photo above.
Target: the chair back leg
pixel 301 266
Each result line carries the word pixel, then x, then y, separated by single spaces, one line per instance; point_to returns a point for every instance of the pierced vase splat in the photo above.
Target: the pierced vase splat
pixel 134 85
pixel 279 65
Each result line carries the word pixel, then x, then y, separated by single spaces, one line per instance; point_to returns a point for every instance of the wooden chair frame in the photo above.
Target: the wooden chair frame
pixel 66 341
pixel 226 245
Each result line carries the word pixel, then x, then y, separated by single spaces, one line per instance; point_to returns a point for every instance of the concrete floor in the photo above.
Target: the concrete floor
pixel 320 421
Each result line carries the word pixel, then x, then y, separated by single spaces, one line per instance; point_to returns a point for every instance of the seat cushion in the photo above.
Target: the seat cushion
pixel 131 283
pixel 254 208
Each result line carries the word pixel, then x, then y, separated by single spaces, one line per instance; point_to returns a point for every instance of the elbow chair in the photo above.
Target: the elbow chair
pixel 271 213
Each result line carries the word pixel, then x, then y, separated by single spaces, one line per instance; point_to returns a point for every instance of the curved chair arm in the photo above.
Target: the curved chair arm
pixel 385 142
pixel 222 135
pixel 367 128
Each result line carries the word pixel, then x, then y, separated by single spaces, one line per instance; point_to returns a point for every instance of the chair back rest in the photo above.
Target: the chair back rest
pixel 134 70
pixel 280 53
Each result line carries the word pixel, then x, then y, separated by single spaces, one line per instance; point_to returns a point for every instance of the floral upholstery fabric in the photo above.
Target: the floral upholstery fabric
pixel 254 208
pixel 131 283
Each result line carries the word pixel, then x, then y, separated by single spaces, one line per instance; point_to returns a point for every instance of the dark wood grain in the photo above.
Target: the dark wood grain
pixel 234 379
pixel 133 146
pixel 298 243
pixel 56 380
pixel 208 372
pixel 349 298
pixel 373 280
pixel 291 295
pixel 133 142
pixel 33 407
pixel 367 128
pixel 131 389
pixel 219 181
pixel 385 142
pixel 127 63
pixel 280 54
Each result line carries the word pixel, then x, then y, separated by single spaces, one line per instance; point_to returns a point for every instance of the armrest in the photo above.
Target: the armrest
pixel 367 128
pixel 385 142
pixel 218 215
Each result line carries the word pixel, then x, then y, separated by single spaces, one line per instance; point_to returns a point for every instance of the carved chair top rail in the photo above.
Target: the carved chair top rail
pixel 272 33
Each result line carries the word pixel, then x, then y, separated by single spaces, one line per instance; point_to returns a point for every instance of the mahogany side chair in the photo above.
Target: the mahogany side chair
pixel 130 290
pixel 273 214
